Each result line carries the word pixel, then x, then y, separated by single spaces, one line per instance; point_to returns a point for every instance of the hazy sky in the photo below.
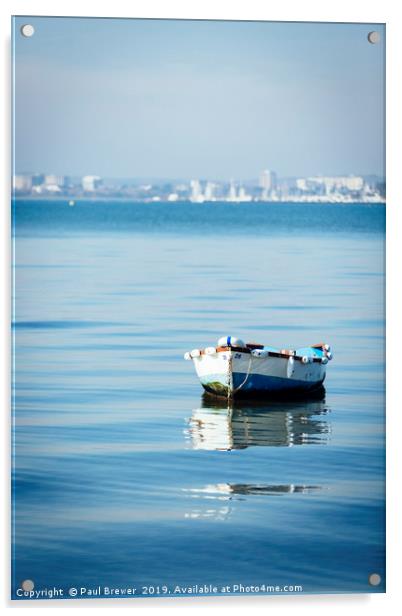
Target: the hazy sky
pixel 183 99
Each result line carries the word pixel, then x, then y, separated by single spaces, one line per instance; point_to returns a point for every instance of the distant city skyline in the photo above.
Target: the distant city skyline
pixel 186 99
pixel 267 188
pixel 188 179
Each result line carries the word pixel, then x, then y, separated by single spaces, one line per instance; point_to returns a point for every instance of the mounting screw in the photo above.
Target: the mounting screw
pixel 27 30
pixel 373 37
pixel 374 579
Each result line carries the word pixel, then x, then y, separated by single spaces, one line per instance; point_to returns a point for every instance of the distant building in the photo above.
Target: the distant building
pixel 237 196
pixel 351 183
pixel 210 192
pixel 354 182
pixel 301 184
pixel 53 180
pixel 232 194
pixel 268 183
pixel 196 192
pixel 22 183
pixel 90 183
pixel 243 196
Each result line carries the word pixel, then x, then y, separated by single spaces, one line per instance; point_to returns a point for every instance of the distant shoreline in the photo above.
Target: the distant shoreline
pixel 102 199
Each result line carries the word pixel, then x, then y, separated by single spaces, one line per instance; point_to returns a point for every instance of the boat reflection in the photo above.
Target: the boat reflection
pixel 211 506
pixel 223 491
pixel 222 425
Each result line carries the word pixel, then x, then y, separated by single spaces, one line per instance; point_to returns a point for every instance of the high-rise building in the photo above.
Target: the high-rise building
pixel 90 183
pixel 196 192
pixel 232 194
pixel 268 182
pixel 209 194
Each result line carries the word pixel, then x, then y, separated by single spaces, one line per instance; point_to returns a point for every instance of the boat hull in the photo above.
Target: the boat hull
pixel 231 373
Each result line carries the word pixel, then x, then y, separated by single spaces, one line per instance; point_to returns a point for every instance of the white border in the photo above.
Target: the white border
pixel 286 10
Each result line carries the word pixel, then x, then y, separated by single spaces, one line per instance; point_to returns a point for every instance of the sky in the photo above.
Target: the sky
pixel 197 99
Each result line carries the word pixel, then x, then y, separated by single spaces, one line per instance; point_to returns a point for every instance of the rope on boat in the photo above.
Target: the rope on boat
pixel 229 377
pixel 250 361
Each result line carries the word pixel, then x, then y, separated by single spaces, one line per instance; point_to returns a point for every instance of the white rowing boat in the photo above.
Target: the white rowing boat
pixel 234 368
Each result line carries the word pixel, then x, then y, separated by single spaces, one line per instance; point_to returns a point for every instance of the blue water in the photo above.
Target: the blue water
pixel 125 475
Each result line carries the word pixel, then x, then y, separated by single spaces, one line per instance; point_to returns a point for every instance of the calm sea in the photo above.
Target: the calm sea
pixel 125 475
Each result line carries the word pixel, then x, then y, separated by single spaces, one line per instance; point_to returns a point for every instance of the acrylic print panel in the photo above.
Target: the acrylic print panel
pixel 213 190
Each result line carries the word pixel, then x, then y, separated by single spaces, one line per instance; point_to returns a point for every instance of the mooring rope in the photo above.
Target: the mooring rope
pixel 229 376
pixel 247 375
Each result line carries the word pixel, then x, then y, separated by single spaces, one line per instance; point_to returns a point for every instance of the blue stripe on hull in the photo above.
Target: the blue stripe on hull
pixel 257 383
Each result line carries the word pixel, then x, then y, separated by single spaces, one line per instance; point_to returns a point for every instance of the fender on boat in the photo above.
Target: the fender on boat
pixel 230 341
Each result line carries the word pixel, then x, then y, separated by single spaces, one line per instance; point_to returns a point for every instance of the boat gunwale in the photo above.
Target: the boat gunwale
pixel 234 349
